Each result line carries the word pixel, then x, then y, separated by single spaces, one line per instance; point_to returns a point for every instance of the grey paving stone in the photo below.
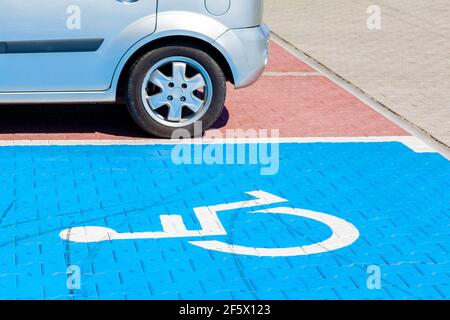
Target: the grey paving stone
pixel 405 65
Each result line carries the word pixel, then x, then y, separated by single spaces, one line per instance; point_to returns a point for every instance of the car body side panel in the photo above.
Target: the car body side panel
pixel 187 24
pixel 117 24
pixel 173 24
pixel 245 49
pixel 240 13
pixel 247 53
pixel 190 23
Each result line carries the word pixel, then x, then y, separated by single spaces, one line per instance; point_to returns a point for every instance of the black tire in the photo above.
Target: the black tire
pixel 137 75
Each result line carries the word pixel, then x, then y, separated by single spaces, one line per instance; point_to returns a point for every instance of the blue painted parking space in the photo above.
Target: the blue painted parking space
pixel 397 200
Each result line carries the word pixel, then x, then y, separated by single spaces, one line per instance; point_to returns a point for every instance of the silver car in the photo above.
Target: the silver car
pixel 169 60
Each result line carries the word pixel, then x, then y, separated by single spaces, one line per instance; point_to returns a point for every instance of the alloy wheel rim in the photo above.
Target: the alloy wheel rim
pixel 177 91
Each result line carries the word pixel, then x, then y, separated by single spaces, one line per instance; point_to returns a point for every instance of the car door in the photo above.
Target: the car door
pixel 68 45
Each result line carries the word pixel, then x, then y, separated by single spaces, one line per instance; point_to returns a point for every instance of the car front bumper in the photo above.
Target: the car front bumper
pixel 247 52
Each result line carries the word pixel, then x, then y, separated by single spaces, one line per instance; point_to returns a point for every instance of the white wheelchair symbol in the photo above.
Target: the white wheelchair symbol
pixel 344 233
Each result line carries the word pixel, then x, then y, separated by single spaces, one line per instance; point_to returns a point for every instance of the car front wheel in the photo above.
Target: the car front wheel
pixel 175 87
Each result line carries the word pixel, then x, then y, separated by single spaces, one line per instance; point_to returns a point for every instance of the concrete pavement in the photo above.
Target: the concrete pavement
pixel 405 65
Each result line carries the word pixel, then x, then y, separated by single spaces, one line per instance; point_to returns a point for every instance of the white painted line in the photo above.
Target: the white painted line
pixel 262 198
pixel 344 234
pixel 417 145
pixel 414 143
pixel 209 221
pixel 172 223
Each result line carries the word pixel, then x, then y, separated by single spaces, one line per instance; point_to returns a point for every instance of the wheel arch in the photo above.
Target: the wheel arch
pixel 215 53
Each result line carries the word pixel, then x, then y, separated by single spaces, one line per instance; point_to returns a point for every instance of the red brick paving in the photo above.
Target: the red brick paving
pixel 305 107
pixel 299 106
pixel 280 60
